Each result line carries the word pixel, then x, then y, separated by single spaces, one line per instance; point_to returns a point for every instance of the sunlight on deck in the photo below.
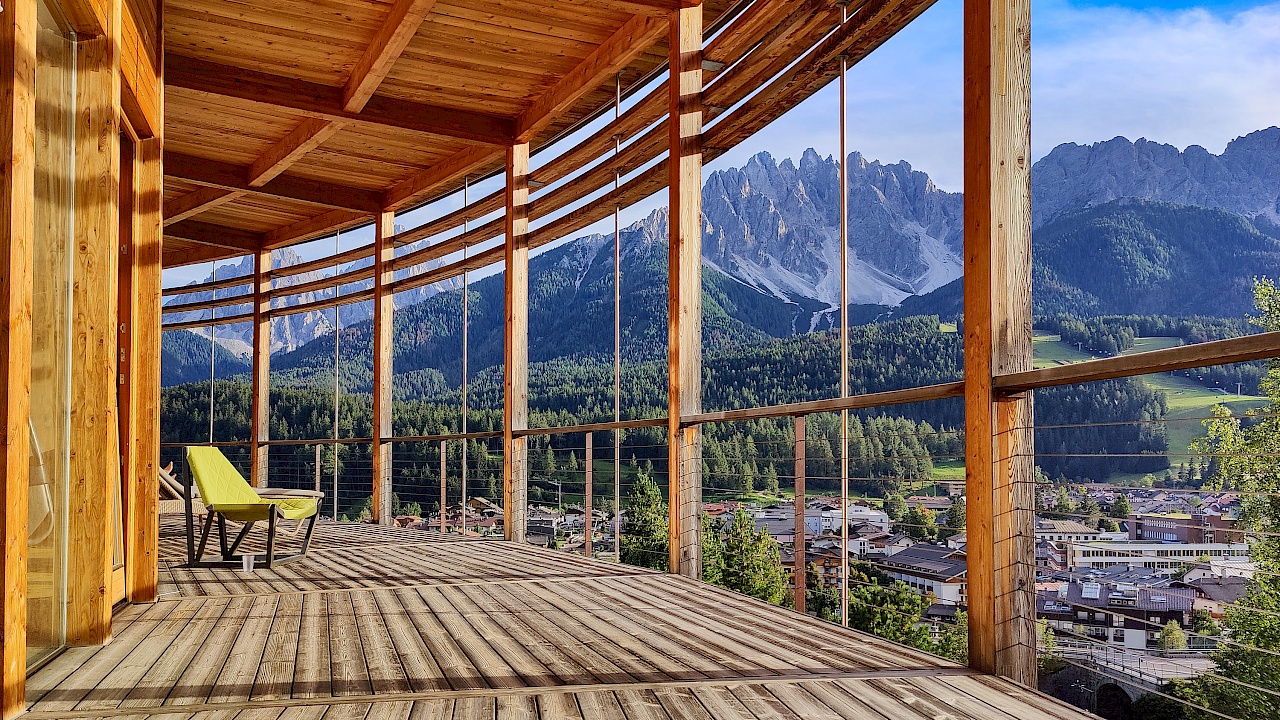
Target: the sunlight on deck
pixel 397 624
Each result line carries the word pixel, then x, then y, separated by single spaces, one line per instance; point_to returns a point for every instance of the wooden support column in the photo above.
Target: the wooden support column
pixel 589 456
pixel 95 440
pixel 260 417
pixel 684 300
pixel 801 564
pixel 444 486
pixel 997 321
pixel 143 438
pixel 17 227
pixel 383 308
pixel 515 382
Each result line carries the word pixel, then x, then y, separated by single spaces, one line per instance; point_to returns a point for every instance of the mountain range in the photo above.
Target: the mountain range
pixel 1119 227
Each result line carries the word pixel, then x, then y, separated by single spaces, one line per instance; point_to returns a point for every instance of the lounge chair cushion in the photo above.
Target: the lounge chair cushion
pixel 226 491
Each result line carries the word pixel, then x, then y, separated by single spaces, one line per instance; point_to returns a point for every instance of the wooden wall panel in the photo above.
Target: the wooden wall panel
pixel 684 300
pixel 95 444
pixel 997 301
pixel 515 382
pixel 17 226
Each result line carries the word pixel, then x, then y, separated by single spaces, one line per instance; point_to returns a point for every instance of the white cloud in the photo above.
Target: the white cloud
pixel 1181 77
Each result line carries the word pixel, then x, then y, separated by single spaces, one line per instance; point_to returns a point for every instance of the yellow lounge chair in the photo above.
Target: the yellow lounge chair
pixel 227 496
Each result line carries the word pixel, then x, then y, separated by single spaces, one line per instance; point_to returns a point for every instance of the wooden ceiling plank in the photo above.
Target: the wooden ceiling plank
pixel 632 39
pixel 233 177
pixel 304 138
pixel 326 102
pixel 196 202
pixel 216 235
pixel 381 55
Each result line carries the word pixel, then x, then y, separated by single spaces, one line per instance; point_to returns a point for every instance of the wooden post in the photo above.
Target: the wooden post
pixel 997 301
pixel 383 309
pixel 260 416
pixel 798 573
pixel 95 438
pixel 515 405
pixel 586 496
pixel 444 487
pixel 684 300
pixel 141 565
pixel 17 226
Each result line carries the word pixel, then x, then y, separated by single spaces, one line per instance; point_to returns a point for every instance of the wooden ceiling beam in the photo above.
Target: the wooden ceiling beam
pixel 196 202
pixel 234 177
pixel 323 101
pixel 311 228
pixel 390 41
pixel 656 8
pixel 422 184
pixel 309 135
pixel 614 54
pixel 190 255
pixel 215 235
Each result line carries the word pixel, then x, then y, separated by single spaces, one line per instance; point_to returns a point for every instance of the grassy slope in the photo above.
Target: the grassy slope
pixel 1189 401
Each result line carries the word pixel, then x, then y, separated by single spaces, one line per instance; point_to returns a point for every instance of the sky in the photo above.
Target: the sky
pixel 1175 71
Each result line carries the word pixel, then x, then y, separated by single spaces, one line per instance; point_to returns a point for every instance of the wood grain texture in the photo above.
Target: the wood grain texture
pixel 515 381
pixel 260 410
pixel 997 252
pixel 607 59
pixel 309 135
pixel 382 622
pixel 144 373
pixel 383 344
pixel 800 566
pixel 383 51
pixel 95 442
pixel 196 202
pixel 326 102
pixel 684 300
pixel 18 28
pixel 229 176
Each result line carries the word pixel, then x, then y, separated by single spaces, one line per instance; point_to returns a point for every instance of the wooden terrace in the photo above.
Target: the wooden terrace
pixel 387 623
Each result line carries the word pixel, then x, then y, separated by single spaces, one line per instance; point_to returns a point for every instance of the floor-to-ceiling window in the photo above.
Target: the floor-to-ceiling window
pixel 51 337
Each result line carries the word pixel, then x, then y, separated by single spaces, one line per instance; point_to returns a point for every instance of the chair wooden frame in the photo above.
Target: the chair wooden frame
pixel 195 553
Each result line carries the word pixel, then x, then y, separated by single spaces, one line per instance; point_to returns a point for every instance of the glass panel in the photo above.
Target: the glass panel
pixel 51 337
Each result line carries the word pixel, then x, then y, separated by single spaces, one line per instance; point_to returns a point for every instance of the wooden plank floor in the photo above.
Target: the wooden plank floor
pixel 379 623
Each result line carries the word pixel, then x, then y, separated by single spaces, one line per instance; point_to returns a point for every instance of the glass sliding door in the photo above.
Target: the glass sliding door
pixel 51 315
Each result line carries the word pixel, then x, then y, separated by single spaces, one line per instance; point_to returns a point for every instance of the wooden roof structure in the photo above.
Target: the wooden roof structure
pixel 288 121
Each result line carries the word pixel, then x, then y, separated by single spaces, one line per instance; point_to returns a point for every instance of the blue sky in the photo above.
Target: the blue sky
pixel 1177 71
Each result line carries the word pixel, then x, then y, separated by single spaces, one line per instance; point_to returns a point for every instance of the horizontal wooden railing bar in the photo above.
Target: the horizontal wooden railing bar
pixel 209 285
pixel 477 435
pixel 444 272
pixel 474 236
pixel 1262 346
pixel 475 210
pixel 323 304
pixel 195 305
pixel 324 283
pixel 593 427
pixel 647 147
pixel 326 441
pixel 633 120
pixel 206 443
pixel 887 398
pixel 188 324
pixel 324 263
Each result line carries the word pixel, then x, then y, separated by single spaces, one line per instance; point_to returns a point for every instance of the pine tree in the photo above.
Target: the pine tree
pixel 1120 508
pixel 752 561
pixel 644 538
